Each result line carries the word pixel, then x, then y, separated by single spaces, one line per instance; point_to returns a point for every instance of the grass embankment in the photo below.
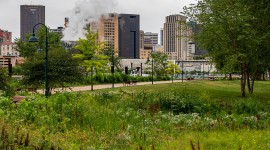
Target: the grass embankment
pixel 208 114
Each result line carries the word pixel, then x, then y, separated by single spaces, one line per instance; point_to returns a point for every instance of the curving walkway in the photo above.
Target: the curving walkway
pixel 104 86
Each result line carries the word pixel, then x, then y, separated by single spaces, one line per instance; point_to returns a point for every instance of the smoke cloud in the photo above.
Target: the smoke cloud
pixel 85 12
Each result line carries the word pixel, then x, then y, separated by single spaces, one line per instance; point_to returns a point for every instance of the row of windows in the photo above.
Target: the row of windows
pixel 10 54
pixel 108 34
pixel 109 31
pixel 7 47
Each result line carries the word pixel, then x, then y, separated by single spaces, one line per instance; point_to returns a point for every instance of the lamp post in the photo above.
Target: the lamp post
pixel 33 38
pixel 152 69
pixel 182 72
pixel 112 70
pixel 203 69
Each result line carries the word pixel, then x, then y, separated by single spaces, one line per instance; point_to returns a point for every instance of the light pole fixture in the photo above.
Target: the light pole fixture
pixel 112 70
pixel 148 60
pixel 182 72
pixel 33 38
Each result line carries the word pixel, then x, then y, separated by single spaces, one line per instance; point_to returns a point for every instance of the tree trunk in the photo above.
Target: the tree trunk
pixel 92 84
pixel 252 85
pixel 243 81
pixel 248 81
pixel 263 76
pixel 230 76
pixel 258 76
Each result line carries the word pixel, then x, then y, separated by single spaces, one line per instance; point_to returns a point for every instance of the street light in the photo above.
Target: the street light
pixel 148 60
pixel 33 38
pixel 112 70
pixel 182 72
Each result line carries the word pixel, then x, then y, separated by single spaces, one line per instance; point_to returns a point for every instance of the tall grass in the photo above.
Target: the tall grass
pixel 131 118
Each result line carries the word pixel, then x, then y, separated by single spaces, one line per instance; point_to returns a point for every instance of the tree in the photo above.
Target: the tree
pixel 116 61
pixel 260 11
pixel 229 36
pixel 172 69
pixel 91 54
pixel 62 68
pixel 160 63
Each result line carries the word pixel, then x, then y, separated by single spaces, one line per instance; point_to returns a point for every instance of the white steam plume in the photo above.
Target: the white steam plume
pixel 85 12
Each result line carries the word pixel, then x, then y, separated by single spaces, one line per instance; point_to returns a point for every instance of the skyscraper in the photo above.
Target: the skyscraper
pixel 161 37
pixel 129 36
pixel 108 31
pixel 175 37
pixel 31 15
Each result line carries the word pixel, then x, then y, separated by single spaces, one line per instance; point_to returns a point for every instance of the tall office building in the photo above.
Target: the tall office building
pixel 161 37
pixel 129 36
pixel 144 54
pixel 108 31
pixel 31 15
pixel 176 37
pixel 141 39
pixel 150 38
pixel 196 29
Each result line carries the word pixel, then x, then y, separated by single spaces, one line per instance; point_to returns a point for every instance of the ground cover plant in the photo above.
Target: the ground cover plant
pixel 189 115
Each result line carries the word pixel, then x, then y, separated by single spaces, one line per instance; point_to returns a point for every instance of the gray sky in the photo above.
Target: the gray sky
pixel 152 12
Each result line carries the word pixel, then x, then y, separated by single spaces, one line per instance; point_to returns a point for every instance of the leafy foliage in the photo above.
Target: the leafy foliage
pixel 172 69
pixel 4 82
pixel 61 65
pixel 232 37
pixel 160 63
pixel 91 52
pixel 91 55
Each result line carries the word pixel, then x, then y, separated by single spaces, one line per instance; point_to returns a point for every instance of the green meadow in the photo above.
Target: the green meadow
pixel 190 115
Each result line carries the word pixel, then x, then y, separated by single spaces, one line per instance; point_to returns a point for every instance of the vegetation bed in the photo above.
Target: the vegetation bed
pixel 198 115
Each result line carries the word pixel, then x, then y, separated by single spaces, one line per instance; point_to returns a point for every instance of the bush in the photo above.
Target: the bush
pixel 99 77
pixel 246 107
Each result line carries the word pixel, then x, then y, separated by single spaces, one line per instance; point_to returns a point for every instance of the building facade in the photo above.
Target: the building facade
pixel 143 54
pixel 129 36
pixel 199 52
pixel 159 48
pixel 8 53
pixel 7 47
pixel 150 38
pixel 30 15
pixel 175 37
pixel 108 31
pixel 161 37
pixel 141 39
pixel 5 36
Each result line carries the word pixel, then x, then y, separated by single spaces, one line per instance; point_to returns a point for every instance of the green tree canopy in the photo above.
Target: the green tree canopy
pixel 91 54
pixel 172 69
pixel 62 68
pixel 159 63
pixel 230 36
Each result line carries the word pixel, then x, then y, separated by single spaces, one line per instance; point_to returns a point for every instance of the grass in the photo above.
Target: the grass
pixel 218 90
pixel 208 114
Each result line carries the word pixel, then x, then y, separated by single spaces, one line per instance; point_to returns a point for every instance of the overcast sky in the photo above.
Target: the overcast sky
pixel 152 12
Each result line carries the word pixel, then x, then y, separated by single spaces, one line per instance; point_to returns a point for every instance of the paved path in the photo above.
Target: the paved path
pixel 104 86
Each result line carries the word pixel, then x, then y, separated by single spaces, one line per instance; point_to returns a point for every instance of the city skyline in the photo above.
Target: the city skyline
pixel 151 11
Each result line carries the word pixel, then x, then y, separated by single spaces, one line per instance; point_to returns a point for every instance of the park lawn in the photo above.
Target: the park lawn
pixel 221 90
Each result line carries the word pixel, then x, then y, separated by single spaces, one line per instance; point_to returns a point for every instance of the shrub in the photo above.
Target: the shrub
pixel 249 106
